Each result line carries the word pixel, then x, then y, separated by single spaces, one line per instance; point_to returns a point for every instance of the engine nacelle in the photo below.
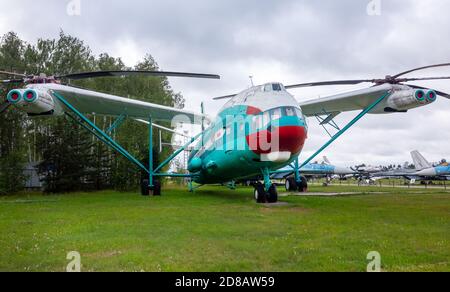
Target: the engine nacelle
pixel 34 102
pixel 406 99
pixel 15 96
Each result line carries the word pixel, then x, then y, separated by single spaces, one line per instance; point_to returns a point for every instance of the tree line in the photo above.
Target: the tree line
pixel 69 158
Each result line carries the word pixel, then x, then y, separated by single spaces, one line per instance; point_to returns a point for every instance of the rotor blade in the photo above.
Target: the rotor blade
pixel 311 84
pixel 12 81
pixel 224 97
pixel 98 74
pixel 422 79
pixel 421 68
pixel 327 83
pixel 12 74
pixel 4 107
pixel 440 93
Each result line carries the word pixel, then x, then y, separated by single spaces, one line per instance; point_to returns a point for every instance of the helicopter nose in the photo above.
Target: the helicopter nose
pixel 279 140
pixel 291 138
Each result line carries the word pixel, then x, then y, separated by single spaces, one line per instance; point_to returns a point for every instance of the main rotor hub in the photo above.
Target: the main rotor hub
pixel 42 79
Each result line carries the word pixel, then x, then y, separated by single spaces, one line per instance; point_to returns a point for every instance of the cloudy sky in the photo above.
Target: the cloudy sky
pixel 281 40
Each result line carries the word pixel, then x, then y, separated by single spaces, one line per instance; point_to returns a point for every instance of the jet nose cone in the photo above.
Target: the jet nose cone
pixel 427 172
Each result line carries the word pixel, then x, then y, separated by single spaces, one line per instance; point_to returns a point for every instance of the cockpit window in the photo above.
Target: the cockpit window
pixel 277 87
pixel 293 112
pixel 290 112
pixel 273 87
pixel 276 114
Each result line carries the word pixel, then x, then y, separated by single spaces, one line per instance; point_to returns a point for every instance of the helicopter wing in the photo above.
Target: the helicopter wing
pixel 87 101
pixel 355 100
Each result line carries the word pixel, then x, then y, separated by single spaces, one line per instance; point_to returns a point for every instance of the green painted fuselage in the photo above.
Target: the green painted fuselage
pixel 261 128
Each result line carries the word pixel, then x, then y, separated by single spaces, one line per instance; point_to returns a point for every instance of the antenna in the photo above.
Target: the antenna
pixel 251 80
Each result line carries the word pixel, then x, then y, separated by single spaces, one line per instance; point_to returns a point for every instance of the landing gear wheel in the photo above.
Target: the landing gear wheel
pixel 156 189
pixel 291 184
pixel 303 185
pixel 273 194
pixel 260 194
pixel 145 191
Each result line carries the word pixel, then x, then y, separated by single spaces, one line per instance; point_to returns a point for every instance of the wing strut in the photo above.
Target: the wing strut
pixel 296 165
pixel 346 128
pixel 328 120
pixel 152 172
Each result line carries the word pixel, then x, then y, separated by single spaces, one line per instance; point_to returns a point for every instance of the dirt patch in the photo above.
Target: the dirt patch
pixel 274 205
pixel 103 255
pixel 331 194
pixel 282 206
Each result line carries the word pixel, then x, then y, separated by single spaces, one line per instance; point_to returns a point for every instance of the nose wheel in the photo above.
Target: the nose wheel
pixel 267 192
pixel 262 196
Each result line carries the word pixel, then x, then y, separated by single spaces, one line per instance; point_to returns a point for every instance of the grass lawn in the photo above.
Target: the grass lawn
pixel 216 229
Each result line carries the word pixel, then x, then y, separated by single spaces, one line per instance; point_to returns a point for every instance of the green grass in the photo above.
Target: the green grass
pixel 222 230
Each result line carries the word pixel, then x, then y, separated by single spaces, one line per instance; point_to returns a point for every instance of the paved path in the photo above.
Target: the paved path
pixel 308 194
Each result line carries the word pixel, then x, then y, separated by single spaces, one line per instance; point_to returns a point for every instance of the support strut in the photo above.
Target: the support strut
pixel 99 133
pixel 117 123
pixel 103 136
pixel 346 128
pixel 296 167
pixel 150 153
pixel 267 181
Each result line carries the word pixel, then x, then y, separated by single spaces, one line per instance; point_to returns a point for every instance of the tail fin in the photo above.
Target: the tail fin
pixel 419 161
pixel 325 159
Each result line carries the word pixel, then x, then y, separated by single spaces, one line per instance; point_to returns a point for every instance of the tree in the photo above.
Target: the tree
pixel 71 159
pixel 67 163
pixel 12 123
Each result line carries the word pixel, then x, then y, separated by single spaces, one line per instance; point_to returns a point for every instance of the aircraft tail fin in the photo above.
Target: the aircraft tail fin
pixel 419 161
pixel 325 159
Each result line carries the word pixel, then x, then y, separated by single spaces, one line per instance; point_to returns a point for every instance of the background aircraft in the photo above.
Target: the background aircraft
pixel 317 168
pixel 258 131
pixel 324 169
pixel 366 169
pixel 426 169
pixel 423 171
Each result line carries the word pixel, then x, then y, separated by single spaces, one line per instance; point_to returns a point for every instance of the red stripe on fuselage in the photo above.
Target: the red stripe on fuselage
pixel 253 111
pixel 282 139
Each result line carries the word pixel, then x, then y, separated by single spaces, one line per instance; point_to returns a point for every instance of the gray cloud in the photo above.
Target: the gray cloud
pixel 288 41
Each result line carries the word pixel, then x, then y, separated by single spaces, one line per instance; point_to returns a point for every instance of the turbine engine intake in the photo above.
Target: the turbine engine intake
pixel 34 102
